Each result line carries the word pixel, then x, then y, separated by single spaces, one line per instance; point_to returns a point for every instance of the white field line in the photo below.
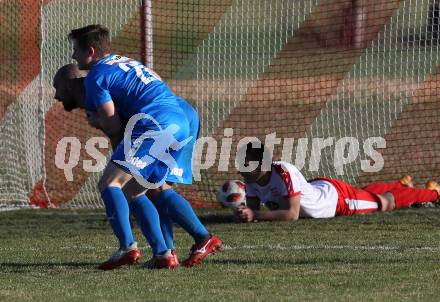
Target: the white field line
pixel 281 247
pixel 276 247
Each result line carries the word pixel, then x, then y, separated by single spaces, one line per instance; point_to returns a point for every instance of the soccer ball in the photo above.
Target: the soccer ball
pixel 232 194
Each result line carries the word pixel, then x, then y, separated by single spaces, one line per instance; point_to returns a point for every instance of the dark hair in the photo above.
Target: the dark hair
pixel 96 36
pixel 255 153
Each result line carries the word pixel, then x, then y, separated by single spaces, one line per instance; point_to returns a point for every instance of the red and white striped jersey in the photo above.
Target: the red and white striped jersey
pixel 318 198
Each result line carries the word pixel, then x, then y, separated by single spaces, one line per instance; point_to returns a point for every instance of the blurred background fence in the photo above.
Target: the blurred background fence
pixel 348 87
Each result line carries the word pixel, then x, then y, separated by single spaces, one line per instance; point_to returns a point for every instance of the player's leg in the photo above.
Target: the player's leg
pixel 117 212
pixel 180 211
pixel 166 223
pixel 405 197
pixel 146 215
pixel 354 201
pixel 140 165
pixel 149 221
pixel 175 205
pixel 382 187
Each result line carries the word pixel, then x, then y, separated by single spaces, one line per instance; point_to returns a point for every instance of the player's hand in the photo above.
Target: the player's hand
pixel 237 211
pixel 246 215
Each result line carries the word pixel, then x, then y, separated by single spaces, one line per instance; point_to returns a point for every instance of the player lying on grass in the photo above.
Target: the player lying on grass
pixel 115 90
pixel 288 195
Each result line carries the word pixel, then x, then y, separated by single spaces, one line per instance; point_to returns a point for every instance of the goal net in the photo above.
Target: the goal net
pixel 340 88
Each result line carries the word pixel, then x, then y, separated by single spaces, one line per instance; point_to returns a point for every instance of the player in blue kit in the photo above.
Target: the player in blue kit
pixel 118 91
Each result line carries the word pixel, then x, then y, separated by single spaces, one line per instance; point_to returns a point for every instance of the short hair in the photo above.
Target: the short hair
pixel 69 71
pixel 96 36
pixel 255 153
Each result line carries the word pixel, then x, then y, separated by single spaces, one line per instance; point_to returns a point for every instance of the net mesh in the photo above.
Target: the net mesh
pixel 343 88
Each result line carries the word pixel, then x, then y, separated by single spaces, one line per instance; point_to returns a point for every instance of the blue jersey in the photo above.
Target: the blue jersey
pixel 130 85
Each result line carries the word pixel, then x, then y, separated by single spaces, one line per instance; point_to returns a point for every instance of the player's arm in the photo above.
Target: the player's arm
pixel 110 123
pixel 289 213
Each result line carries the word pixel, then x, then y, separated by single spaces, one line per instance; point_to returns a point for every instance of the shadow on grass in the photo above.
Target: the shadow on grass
pixel 302 261
pixel 15 267
pixel 388 218
pixel 216 218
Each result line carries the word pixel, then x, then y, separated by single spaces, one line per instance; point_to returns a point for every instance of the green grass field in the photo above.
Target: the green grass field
pixel 52 255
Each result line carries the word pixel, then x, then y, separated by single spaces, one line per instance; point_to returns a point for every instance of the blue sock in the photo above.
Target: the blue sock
pixel 148 221
pixel 117 211
pixel 178 208
pixel 166 225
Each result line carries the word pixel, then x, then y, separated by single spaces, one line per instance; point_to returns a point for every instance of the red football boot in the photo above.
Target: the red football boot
pixel 200 251
pixel 158 262
pixel 127 256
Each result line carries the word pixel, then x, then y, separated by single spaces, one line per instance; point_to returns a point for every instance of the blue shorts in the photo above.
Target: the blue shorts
pixel 184 157
pixel 162 145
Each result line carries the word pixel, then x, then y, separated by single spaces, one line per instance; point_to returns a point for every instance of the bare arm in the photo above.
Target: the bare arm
pixel 290 212
pixel 110 123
